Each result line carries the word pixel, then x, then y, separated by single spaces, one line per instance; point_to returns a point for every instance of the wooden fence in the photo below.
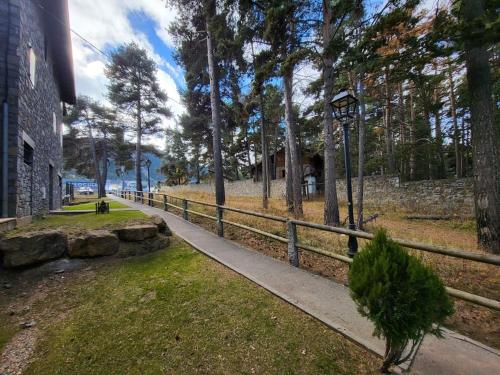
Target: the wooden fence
pixel 182 205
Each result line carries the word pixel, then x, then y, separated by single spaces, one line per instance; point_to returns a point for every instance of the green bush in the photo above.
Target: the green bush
pixel 400 295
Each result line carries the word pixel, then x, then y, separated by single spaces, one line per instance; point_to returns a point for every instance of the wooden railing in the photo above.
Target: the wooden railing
pixel 293 243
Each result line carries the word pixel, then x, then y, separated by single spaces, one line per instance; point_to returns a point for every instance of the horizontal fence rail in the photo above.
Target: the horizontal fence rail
pixel 294 244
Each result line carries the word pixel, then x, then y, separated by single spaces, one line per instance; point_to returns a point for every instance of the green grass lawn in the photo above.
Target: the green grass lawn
pixel 91 205
pixel 178 312
pixel 84 221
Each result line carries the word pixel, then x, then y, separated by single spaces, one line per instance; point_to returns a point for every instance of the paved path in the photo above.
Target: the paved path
pixel 330 302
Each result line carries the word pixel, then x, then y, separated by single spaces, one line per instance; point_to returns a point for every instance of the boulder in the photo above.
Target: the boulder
pixel 93 244
pixel 31 248
pixel 135 233
pixel 143 247
pixel 161 224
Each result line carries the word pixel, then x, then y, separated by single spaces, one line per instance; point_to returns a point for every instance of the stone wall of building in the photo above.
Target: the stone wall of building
pixel 443 197
pixel 33 109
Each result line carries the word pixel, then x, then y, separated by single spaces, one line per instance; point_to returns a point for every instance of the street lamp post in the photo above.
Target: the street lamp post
pixel 148 165
pixel 344 108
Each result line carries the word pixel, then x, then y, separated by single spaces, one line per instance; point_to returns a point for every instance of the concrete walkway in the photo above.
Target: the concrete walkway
pixel 330 302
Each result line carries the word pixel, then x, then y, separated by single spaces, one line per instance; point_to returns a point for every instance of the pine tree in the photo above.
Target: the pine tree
pixel 134 89
pixel 90 141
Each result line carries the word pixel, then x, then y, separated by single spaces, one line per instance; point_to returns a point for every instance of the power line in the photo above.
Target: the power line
pixel 88 42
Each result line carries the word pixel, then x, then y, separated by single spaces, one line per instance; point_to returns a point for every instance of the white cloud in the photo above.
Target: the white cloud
pixel 105 24
pixel 304 75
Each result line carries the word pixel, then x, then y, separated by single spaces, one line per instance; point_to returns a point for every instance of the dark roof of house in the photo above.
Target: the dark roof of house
pixel 56 18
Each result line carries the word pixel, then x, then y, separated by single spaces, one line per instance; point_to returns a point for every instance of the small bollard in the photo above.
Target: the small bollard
pixel 184 209
pixel 293 253
pixel 165 205
pixel 220 224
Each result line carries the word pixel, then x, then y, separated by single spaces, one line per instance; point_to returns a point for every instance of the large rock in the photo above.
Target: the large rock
pixel 93 244
pixel 161 224
pixel 32 248
pixel 136 233
pixel 143 247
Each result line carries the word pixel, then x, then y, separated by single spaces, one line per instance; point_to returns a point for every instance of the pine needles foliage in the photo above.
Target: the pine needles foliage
pixel 402 297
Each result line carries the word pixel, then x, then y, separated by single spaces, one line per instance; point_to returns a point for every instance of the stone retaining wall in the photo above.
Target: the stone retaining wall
pixel 444 197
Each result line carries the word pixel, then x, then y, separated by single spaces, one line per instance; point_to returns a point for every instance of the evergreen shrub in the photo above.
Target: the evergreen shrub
pixel 402 297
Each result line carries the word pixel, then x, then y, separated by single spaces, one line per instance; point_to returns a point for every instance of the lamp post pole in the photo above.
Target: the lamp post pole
pixel 344 108
pixel 353 242
pixel 148 165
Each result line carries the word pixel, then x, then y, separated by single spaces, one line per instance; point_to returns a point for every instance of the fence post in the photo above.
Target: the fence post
pixel 220 224
pixel 184 209
pixel 165 205
pixel 142 197
pixel 135 196
pixel 151 203
pixel 293 254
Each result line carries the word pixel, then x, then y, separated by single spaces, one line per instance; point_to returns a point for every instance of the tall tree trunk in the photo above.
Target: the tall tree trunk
pixel 427 119
pixel 275 151
pixel 331 209
pixel 389 143
pixel 441 170
pixel 215 105
pixel 361 147
pixel 288 177
pixel 456 134
pixel 104 177
pixel 138 146
pixel 465 147
pixel 485 137
pixel 402 128
pixel 294 165
pixel 95 160
pixel 268 164
pixel 247 141
pixel 413 164
pixel 265 159
pixel 138 157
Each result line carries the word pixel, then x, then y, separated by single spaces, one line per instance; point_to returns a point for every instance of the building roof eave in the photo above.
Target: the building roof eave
pixel 56 16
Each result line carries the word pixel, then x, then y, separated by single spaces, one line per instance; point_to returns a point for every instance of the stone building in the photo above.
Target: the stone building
pixel 36 80
pixel 312 168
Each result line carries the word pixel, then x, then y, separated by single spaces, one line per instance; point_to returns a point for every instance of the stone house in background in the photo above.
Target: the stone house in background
pixel 312 169
pixel 36 79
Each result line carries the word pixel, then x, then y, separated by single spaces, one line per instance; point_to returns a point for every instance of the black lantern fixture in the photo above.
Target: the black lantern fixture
pixel 344 105
pixel 344 109
pixel 148 165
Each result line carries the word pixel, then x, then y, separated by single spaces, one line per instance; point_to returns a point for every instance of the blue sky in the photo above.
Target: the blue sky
pixel 107 24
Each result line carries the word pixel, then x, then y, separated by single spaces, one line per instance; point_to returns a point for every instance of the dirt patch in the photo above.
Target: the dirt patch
pixel 16 355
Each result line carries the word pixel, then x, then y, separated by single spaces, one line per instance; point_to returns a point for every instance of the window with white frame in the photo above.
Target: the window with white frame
pixel 54 122
pixel 32 66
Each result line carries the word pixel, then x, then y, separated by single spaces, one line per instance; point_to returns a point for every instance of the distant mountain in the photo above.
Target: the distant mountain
pixel 155 173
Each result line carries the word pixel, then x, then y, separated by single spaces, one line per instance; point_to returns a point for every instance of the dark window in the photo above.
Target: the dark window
pixel 283 173
pixel 28 154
